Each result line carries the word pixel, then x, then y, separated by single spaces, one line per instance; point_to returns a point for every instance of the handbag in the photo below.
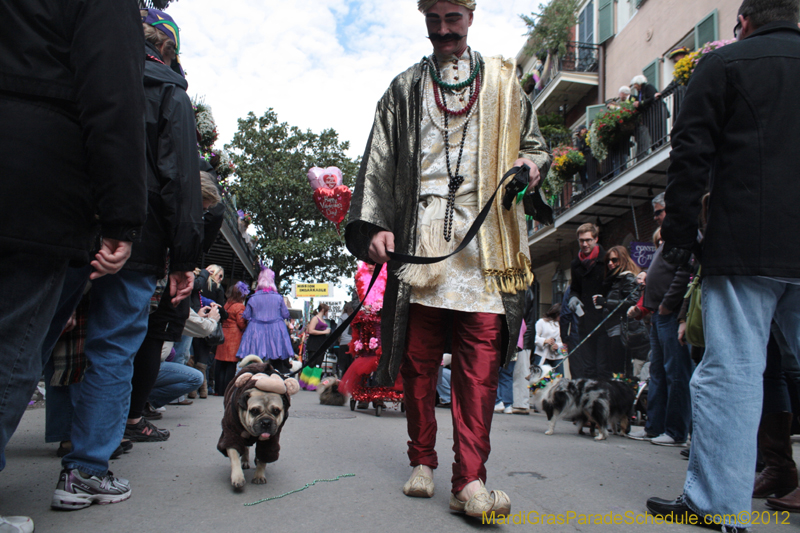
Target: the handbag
pixel 694 316
pixel 216 338
pixel 634 336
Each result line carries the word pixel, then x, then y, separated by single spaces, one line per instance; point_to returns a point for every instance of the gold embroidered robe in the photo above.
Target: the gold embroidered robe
pixel 387 192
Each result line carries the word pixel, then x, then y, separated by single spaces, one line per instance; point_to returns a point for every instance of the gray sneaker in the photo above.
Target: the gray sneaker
pixel 74 491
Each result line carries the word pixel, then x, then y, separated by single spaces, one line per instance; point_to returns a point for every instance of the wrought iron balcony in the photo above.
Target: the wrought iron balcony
pixel 580 61
pixel 650 136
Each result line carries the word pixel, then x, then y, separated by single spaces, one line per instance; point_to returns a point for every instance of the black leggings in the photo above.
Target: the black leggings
pixel 146 365
pixel 223 374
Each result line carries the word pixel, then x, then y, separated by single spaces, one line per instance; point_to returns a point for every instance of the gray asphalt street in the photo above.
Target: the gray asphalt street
pixel 182 485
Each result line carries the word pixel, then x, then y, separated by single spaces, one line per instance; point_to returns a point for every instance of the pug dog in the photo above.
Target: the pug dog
pixel 255 409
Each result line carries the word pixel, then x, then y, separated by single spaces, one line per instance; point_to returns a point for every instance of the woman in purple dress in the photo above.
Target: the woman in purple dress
pixel 266 334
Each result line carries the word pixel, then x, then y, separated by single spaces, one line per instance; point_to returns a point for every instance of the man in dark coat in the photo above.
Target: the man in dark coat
pixel 740 141
pixel 590 361
pixel 72 149
pixel 174 221
pixel 117 321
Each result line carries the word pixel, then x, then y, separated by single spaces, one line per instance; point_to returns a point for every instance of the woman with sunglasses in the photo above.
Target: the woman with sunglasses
pixel 619 285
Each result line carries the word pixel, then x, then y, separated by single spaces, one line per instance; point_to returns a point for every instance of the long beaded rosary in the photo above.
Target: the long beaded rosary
pixel 440 88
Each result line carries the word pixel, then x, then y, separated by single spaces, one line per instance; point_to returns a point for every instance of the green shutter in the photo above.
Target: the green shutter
pixel 651 72
pixel 706 30
pixel 639 3
pixel 605 21
pixel 592 111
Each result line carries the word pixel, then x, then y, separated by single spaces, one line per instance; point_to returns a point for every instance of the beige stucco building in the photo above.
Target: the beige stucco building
pixel 614 41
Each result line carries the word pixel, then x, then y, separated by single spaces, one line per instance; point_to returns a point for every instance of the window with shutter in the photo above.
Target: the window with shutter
pixel 586 24
pixel 651 72
pixel 605 21
pixel 706 30
pixel 591 113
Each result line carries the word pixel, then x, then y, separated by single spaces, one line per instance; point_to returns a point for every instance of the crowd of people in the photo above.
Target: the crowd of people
pixel 109 303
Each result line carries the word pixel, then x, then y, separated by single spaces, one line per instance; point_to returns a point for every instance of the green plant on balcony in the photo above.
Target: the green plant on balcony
pixel 567 161
pixel 612 127
pixel 551 28
pixel 553 129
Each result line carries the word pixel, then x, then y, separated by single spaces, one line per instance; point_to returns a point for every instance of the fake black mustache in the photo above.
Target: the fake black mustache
pixel 446 38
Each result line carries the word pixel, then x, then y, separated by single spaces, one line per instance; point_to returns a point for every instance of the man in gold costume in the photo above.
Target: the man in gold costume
pixel 445 132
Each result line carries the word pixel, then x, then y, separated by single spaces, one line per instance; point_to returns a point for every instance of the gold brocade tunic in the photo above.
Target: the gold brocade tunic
pixel 463 288
pixel 388 188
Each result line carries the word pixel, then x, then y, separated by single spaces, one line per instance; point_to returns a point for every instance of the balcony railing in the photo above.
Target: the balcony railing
pixel 578 57
pixel 651 133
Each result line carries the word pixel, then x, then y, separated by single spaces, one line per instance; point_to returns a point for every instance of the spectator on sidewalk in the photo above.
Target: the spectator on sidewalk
pixel 118 316
pixel 232 327
pixel 547 340
pixel 522 367
pixel 164 328
pixel 619 288
pixel 590 361
pixel 751 265
pixel 669 407
pixel 72 146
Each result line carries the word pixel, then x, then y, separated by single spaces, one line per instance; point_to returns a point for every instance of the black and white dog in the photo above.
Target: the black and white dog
pixel 586 401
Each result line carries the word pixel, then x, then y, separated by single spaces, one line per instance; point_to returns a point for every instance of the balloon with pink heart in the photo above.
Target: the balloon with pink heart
pixel 330 196
pixel 330 177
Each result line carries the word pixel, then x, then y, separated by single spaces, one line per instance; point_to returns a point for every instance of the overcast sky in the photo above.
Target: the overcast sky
pixel 320 64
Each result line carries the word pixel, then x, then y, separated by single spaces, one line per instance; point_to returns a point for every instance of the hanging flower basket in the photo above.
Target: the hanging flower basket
pixel 685 66
pixel 611 128
pixel 567 161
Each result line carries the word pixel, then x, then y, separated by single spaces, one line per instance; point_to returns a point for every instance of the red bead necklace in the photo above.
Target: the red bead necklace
pixel 466 108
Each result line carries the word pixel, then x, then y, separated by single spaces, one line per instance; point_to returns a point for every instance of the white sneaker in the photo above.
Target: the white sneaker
pixel 508 410
pixel 498 407
pixel 666 440
pixel 16 524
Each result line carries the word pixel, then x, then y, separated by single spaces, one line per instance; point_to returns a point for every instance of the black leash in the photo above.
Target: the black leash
pixel 521 175
pixel 586 338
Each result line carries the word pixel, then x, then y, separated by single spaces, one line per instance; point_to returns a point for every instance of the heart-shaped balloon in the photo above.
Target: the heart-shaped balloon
pixel 330 177
pixel 333 203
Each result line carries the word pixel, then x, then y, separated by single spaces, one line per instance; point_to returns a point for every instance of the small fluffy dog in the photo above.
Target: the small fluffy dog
pixel 256 408
pixel 586 401
pixel 329 394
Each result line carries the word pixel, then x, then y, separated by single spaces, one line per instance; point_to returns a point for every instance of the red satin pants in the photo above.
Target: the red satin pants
pixel 476 359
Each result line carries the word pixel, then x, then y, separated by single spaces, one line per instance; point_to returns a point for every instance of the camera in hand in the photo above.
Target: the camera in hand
pixel 516 186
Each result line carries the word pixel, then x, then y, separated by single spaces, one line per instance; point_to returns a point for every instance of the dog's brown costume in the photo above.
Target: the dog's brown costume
pixel 234 435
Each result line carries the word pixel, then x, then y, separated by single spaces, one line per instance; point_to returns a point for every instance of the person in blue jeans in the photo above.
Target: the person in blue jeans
pixel 505 391
pixel 72 145
pixel 668 401
pixel 750 255
pixel 118 316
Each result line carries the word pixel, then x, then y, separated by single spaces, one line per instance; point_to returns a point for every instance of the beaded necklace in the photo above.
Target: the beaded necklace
pixel 440 89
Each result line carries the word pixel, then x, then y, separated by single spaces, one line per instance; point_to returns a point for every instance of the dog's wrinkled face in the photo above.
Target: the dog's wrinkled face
pixel 261 413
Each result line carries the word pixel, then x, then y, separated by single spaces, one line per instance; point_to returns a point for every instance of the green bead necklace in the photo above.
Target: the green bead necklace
pixel 454 86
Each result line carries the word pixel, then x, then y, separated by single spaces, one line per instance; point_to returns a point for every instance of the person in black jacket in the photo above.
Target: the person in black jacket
pixel 619 286
pixel 174 226
pixel 590 361
pixel 72 149
pixel 740 141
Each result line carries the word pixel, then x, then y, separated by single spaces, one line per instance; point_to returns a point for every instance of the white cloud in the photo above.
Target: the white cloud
pixel 319 63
